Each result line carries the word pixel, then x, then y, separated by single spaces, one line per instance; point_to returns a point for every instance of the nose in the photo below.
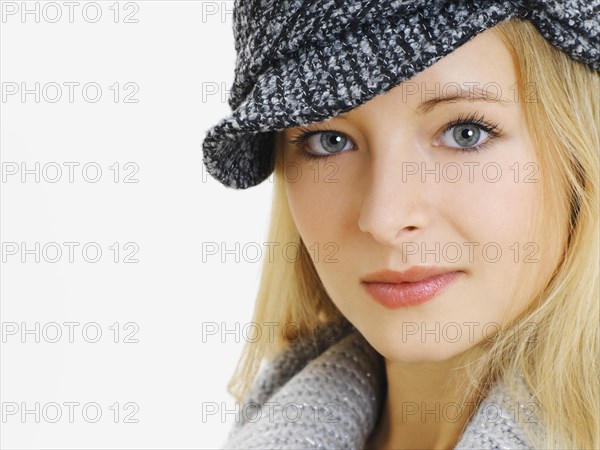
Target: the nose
pixel 396 204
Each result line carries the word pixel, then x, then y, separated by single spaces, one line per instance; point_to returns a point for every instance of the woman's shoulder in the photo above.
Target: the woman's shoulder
pixel 324 389
pixel 508 417
pixel 295 356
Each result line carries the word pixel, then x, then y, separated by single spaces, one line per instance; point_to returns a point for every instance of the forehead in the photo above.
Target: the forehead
pixel 483 67
pixel 483 59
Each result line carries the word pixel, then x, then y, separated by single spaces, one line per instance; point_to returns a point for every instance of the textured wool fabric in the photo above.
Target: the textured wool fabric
pixel 300 62
pixel 328 392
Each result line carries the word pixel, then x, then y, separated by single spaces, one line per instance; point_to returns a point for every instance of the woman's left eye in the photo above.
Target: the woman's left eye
pixel 464 135
pixel 471 134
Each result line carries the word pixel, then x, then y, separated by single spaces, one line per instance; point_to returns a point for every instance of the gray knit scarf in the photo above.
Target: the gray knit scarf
pixel 328 392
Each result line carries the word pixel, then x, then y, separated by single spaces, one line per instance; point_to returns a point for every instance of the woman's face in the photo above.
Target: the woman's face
pixel 407 186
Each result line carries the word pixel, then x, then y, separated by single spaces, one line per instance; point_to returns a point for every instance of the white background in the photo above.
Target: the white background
pixel 173 58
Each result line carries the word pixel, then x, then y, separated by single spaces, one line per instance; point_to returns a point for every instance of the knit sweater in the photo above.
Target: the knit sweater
pixel 327 393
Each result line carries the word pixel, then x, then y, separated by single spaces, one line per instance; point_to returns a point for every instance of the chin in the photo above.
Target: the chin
pixel 412 350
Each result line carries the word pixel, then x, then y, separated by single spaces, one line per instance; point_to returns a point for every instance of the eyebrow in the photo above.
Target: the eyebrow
pixel 470 96
pixel 477 94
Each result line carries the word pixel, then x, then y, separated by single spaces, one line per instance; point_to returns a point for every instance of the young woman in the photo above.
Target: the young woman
pixel 445 290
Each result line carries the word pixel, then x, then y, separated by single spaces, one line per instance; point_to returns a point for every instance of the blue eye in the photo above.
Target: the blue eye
pixel 466 132
pixel 331 142
pixel 321 143
pixel 466 135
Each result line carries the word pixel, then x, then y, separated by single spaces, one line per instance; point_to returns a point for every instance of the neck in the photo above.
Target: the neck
pixel 425 405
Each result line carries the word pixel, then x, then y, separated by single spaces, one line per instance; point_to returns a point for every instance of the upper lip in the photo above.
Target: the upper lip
pixel 415 273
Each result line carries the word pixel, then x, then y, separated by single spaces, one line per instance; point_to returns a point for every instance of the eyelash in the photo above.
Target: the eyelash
pixel 491 128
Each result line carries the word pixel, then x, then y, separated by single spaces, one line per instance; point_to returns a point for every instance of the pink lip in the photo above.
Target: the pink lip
pixel 411 288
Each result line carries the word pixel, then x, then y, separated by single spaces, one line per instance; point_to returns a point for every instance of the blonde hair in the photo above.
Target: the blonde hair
pixel 560 367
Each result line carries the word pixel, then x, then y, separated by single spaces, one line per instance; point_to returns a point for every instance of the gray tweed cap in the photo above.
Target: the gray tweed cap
pixel 300 62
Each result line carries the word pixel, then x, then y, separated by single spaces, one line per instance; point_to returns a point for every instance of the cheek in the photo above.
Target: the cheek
pixel 497 197
pixel 321 204
pixel 306 207
pixel 501 217
pixel 325 215
pixel 492 211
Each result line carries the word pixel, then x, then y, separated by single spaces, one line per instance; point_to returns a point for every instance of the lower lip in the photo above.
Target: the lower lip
pixel 401 295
